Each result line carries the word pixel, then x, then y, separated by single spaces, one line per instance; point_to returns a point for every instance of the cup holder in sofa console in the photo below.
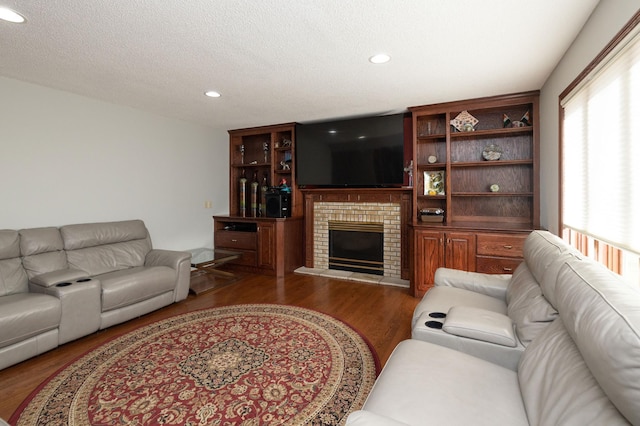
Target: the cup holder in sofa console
pixel 437 314
pixel 434 324
pixel 83 280
pixel 64 284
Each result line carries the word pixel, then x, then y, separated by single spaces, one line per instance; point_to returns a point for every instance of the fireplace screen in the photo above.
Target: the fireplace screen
pixel 356 247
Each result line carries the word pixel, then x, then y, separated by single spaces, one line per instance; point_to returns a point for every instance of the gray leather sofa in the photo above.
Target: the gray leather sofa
pixel 493 317
pixel 582 368
pixel 59 284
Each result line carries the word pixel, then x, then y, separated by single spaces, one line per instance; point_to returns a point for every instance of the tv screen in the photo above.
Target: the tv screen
pixel 362 152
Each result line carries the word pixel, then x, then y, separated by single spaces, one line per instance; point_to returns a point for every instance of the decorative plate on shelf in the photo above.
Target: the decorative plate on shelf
pixel 464 122
pixel 434 182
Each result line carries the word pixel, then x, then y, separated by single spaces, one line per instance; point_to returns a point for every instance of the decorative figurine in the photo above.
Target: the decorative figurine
pixel 265 148
pixel 283 186
pixel 409 170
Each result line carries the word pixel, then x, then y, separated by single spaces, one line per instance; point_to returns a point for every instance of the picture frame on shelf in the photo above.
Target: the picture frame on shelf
pixel 434 182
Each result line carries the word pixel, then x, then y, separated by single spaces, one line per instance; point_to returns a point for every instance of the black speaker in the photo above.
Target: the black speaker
pixel 277 204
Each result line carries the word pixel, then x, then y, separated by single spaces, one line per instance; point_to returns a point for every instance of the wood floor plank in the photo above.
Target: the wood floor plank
pixel 381 313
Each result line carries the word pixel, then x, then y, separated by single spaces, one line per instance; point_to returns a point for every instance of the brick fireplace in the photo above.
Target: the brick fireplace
pixel 389 208
pixel 386 214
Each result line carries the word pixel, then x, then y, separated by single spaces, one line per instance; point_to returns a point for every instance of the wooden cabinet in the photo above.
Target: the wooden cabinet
pixel 476 160
pixel 486 252
pixel 434 249
pixel 261 157
pixel 451 169
pixel 499 253
pixel 271 246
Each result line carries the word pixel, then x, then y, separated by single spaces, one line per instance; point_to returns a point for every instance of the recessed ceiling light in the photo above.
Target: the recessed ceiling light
pixel 11 16
pixel 212 94
pixel 380 58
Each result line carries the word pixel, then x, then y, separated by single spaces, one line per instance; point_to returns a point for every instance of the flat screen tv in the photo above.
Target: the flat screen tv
pixel 362 152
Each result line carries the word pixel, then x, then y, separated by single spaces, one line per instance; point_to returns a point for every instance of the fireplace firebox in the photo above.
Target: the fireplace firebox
pixel 356 247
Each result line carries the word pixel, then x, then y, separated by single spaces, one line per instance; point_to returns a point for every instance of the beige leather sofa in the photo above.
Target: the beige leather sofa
pixel 59 284
pixel 581 368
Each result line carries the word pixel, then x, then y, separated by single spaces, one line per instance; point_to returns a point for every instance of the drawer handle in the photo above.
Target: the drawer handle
pixel 508 269
pixel 234 241
pixel 508 247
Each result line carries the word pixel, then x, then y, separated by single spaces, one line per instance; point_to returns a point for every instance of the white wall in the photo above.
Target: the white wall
pixel 67 159
pixel 609 17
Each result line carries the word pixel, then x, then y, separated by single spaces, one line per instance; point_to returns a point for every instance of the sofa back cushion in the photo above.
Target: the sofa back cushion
pixel 556 384
pixel 540 249
pixel 42 251
pixel 544 254
pixel 526 305
pixel 13 278
pixel 98 248
pixel 602 315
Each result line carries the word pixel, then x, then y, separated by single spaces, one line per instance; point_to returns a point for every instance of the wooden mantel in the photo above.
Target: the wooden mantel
pixel 401 196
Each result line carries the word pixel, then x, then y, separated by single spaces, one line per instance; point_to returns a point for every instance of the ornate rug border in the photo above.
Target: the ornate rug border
pixel 16 414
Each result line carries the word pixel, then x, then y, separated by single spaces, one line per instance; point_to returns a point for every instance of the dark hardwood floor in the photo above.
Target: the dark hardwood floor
pixel 381 313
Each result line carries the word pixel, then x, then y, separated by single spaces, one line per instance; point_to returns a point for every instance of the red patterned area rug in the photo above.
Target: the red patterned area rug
pixel 235 365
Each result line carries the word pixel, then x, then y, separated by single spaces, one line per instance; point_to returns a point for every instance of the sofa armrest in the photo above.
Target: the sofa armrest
pixel 80 304
pixel 367 418
pixel 480 324
pixel 494 285
pixel 178 260
pixel 168 258
pixel 53 278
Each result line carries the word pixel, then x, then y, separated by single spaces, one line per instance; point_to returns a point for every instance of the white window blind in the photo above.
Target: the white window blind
pixel 601 150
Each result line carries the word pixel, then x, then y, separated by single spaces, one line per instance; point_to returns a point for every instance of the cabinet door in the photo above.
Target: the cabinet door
pixel 460 251
pixel 429 255
pixel 267 246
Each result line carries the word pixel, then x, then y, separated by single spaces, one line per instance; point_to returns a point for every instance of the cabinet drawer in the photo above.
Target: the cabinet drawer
pixel 496 265
pixel 500 245
pixel 236 240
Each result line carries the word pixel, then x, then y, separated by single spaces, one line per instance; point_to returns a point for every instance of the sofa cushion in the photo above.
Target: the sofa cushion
pixel 127 287
pixel 367 418
pixel 601 314
pixel 494 285
pixel 425 382
pixel 526 305
pixel 108 258
pixel 26 315
pixel 557 386
pixel 40 240
pixel 42 251
pixel 45 262
pixel 540 249
pixel 13 279
pixel 550 281
pixel 480 324
pixel 441 299
pixel 9 244
pixel 98 234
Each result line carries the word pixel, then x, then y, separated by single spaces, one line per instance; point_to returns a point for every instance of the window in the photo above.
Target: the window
pixel 601 156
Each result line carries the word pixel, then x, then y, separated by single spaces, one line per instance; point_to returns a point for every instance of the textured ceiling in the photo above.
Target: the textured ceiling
pixel 278 61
